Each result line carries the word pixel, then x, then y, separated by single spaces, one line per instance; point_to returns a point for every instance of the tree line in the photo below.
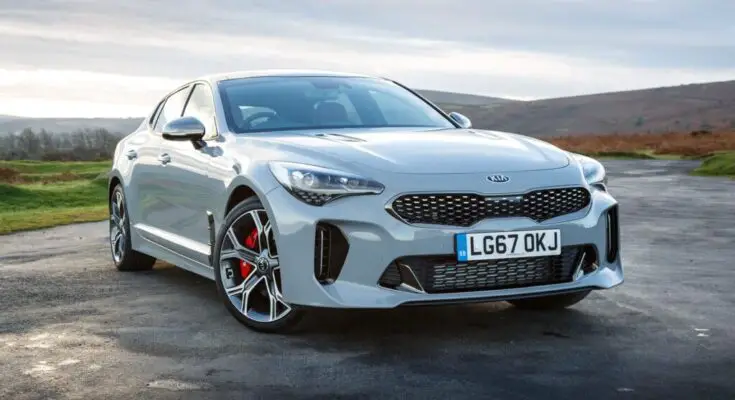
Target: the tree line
pixel 78 145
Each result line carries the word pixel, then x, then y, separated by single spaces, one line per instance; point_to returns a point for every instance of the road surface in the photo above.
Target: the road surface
pixel 73 327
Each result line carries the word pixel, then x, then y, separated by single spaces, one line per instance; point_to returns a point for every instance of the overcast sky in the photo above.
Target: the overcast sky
pixel 116 58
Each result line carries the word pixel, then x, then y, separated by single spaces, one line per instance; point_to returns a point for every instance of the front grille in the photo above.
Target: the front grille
pixel 444 274
pixel 466 209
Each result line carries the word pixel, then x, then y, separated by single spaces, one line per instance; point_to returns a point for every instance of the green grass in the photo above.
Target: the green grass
pixel 719 164
pixel 57 167
pixel 37 205
pixel 14 198
pixel 46 218
pixel 53 171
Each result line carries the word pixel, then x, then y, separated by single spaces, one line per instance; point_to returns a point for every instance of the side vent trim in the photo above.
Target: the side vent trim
pixel 330 252
pixel 613 234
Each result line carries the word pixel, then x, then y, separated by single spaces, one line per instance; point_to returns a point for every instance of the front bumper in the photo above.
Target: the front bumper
pixel 376 239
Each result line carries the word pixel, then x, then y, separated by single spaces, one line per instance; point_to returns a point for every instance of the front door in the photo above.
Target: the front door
pixel 152 197
pixel 189 189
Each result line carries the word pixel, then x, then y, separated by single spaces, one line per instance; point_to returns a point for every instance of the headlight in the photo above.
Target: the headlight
pixel 593 170
pixel 318 186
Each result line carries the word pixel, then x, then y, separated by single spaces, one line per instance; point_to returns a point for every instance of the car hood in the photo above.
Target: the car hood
pixel 430 151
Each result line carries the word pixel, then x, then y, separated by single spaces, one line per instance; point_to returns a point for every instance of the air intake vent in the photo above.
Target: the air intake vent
pixel 330 252
pixel 613 234
pixel 444 274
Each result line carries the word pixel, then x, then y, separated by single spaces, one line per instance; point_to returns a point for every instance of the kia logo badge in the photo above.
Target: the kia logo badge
pixel 498 178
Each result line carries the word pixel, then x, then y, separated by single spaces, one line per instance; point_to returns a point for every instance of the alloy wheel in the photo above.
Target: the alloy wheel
pixel 249 268
pixel 118 214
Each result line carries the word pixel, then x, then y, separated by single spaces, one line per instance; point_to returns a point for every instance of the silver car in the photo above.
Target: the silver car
pixel 300 189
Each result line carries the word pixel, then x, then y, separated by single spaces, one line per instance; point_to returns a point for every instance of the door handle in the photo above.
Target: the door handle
pixel 131 154
pixel 164 158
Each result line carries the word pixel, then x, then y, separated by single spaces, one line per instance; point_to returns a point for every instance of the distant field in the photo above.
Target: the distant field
pixel 37 194
pixel 50 171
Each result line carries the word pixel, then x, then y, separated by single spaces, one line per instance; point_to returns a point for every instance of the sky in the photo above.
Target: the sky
pixel 103 58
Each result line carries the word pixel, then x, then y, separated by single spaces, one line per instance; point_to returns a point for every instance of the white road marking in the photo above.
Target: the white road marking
pixel 173 384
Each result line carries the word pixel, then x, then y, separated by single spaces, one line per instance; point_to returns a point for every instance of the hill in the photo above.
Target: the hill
pixel 676 108
pixel 462 99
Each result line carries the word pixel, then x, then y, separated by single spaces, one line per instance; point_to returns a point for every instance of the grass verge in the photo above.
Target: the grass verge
pixel 46 218
pixel 718 164
pixel 34 206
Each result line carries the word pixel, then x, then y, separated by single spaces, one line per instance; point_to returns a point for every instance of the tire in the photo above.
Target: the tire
pixel 248 295
pixel 123 255
pixel 554 302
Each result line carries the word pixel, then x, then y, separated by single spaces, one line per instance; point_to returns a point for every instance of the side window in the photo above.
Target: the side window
pixel 172 108
pixel 201 106
pixel 155 113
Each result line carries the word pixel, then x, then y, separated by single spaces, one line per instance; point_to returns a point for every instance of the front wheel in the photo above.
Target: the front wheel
pixel 248 273
pixel 550 302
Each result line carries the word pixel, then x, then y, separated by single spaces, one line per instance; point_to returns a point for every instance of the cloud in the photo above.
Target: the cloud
pixel 122 55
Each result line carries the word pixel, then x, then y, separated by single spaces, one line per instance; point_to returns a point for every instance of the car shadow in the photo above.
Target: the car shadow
pixel 341 329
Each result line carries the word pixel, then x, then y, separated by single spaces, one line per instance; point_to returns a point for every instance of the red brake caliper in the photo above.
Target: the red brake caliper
pixel 251 241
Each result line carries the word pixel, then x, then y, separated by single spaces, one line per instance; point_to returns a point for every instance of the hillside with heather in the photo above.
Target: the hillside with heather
pixel 684 108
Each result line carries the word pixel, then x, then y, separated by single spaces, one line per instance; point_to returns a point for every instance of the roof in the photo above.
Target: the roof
pixel 275 72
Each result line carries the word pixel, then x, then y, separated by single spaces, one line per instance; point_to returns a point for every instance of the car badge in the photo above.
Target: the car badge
pixel 497 178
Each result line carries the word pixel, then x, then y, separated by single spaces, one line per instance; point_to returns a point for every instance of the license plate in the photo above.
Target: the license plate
pixel 498 245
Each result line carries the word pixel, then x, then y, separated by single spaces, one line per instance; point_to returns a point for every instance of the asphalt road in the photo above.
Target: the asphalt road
pixel 73 327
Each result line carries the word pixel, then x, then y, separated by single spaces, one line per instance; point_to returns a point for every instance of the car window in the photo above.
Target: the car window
pixel 201 106
pixel 172 108
pixel 323 102
pixel 155 112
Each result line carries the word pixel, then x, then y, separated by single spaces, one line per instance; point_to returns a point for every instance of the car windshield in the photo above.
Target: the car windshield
pixel 266 104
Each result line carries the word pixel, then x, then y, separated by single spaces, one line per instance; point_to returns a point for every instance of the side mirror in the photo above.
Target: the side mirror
pixel 463 121
pixel 184 129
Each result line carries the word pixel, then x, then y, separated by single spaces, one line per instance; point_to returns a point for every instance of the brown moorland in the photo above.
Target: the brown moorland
pixel 683 108
pixel 691 144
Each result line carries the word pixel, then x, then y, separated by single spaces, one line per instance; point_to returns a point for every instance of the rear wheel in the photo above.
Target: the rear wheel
pixel 123 255
pixel 248 272
pixel 550 302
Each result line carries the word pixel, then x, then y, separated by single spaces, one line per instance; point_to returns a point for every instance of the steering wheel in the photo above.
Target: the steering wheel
pixel 261 114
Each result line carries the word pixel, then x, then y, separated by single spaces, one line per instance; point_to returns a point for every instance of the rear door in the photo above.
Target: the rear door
pixel 139 156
